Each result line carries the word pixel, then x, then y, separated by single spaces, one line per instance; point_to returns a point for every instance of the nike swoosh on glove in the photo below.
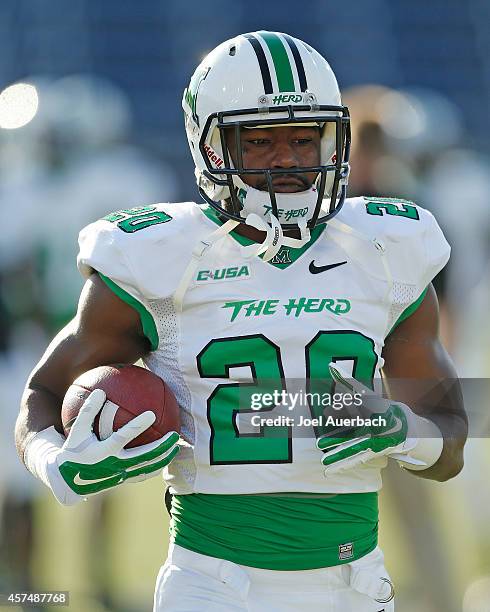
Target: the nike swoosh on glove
pixel 86 465
pixel 390 434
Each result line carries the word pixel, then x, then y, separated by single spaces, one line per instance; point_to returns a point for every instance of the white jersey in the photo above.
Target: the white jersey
pixel 249 327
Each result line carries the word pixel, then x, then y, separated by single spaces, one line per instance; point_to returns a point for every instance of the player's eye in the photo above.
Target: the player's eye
pixel 258 141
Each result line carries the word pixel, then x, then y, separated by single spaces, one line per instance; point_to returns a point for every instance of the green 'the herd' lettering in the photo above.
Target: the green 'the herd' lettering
pixel 287 98
pixel 287 214
pixel 293 307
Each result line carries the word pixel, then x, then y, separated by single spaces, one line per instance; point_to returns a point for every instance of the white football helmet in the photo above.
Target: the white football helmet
pixel 266 79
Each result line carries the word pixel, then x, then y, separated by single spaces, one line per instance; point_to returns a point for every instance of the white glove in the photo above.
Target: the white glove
pixel 413 440
pixel 83 465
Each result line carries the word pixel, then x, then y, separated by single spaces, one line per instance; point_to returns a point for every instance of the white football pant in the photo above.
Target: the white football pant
pixel 191 582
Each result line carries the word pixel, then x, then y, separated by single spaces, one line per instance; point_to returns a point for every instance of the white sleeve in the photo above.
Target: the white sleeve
pixel 102 252
pixel 148 263
pixel 419 254
pixel 436 250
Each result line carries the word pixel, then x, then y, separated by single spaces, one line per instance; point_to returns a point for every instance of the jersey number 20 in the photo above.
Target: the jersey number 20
pixel 272 444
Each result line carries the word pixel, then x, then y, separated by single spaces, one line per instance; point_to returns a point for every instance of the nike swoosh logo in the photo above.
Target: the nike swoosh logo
pixel 81 481
pixel 317 269
pixel 398 426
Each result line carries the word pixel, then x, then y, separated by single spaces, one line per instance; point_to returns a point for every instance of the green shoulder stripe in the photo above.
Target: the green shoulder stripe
pixel 147 322
pixel 409 311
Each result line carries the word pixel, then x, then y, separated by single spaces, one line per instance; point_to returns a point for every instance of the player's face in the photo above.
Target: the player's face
pixel 279 147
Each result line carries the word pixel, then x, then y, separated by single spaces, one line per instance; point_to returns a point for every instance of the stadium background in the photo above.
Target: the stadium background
pixel 109 134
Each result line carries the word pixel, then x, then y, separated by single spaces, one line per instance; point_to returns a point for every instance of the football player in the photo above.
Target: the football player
pixel 277 278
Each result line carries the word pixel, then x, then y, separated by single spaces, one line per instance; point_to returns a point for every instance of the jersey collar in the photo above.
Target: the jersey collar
pixel 286 255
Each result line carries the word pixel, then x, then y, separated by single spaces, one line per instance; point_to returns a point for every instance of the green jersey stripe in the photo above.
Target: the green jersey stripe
pixel 409 311
pixel 283 532
pixel 147 322
pixel 280 58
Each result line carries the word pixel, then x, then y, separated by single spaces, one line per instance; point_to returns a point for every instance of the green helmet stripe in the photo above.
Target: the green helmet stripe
pixel 282 65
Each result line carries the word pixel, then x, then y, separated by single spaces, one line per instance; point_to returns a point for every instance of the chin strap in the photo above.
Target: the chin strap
pixel 274 238
pixel 304 238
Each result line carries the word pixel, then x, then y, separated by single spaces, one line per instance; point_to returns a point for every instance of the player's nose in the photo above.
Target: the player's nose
pixel 284 155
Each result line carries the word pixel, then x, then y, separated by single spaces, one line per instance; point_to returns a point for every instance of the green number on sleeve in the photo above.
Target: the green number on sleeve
pixel 398 209
pixel 135 219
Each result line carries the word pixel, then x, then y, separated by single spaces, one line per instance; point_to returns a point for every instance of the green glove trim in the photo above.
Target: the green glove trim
pixel 85 479
pixel 381 437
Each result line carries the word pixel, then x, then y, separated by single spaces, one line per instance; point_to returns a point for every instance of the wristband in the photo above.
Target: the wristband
pixel 39 448
pixel 40 459
pixel 423 447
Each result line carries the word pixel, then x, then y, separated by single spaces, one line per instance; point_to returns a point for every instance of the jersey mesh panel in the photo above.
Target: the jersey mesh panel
pixel 403 296
pixel 165 362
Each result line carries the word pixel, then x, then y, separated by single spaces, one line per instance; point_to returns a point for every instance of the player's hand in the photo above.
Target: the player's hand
pixel 86 465
pixel 392 435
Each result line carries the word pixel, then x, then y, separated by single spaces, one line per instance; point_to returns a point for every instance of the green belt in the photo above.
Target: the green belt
pixel 278 532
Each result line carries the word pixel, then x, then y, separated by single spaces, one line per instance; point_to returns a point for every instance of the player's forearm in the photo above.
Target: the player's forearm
pixel 40 409
pixel 39 441
pixel 442 403
pixel 454 429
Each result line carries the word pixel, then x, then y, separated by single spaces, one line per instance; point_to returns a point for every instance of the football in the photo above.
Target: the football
pixel 130 390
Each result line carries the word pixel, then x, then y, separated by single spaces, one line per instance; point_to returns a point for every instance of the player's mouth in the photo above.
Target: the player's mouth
pixel 288 184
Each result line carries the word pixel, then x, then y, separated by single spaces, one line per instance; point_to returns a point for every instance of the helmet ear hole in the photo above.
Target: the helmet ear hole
pixel 232 50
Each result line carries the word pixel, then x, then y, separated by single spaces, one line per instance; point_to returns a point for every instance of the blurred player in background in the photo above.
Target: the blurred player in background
pixel 394 151
pixel 70 165
pixel 277 278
